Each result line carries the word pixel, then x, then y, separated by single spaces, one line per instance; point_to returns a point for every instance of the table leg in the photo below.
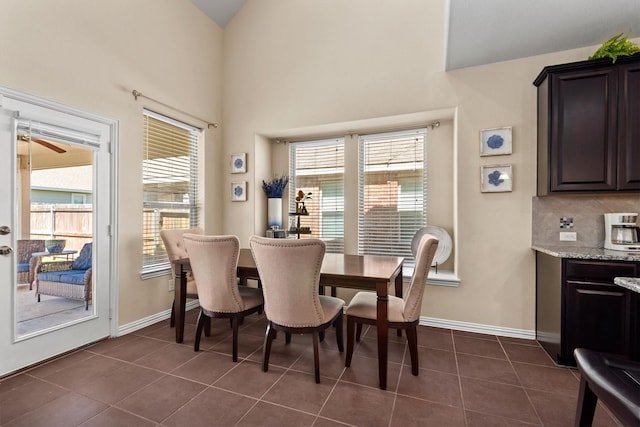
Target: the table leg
pixel 383 332
pixel 180 292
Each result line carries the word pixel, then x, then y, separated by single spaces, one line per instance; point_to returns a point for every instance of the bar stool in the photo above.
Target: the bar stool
pixel 614 381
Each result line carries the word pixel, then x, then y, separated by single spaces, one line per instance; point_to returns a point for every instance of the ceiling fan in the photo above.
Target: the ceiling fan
pixel 47 144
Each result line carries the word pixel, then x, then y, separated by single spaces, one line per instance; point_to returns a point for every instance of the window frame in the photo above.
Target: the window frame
pixel 404 236
pixel 157 263
pixel 335 200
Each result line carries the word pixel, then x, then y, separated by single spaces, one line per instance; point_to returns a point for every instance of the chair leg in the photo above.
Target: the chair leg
pixel 358 331
pixel 234 325
pixel 338 326
pixel 207 327
pixel 350 337
pixel 586 408
pixel 199 326
pixel 287 337
pixel 321 335
pixel 316 357
pixel 172 319
pixel 269 334
pixel 412 340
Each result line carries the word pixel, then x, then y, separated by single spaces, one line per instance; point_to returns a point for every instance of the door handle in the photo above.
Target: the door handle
pixel 5 250
pixel 4 230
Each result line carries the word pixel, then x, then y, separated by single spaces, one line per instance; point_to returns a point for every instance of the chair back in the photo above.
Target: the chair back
pixel 84 259
pixel 424 256
pixel 214 261
pixel 174 244
pixel 290 274
pixel 26 248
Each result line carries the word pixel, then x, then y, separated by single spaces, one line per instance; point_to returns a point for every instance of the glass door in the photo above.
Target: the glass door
pixel 57 247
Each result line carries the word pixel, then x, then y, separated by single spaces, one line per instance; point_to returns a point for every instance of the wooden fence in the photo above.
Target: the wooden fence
pixel 71 222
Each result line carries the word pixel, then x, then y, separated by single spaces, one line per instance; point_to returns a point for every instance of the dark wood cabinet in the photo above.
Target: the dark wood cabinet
pixel 588 127
pixel 578 305
pixel 629 127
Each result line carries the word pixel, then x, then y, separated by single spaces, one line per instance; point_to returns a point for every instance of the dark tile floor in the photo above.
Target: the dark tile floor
pixel 146 379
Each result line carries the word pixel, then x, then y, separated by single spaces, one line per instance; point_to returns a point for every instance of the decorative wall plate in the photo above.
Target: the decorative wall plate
pixel 444 245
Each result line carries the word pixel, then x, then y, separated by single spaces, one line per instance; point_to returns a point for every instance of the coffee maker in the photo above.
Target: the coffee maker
pixel 622 232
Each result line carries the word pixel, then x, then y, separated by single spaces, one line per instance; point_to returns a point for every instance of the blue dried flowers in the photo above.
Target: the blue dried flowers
pixel 275 187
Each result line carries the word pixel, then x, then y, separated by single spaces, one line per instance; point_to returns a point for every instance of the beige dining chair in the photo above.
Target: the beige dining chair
pixel 214 261
pixel 174 246
pixel 290 274
pixel 403 313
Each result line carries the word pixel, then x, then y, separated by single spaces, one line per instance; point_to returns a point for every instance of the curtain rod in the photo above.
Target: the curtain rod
pixel 137 94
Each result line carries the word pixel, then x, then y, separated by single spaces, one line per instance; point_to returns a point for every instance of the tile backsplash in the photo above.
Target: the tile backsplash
pixel 551 215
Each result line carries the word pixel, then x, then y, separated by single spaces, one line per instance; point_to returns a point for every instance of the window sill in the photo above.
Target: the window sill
pixel 441 278
pixel 156 272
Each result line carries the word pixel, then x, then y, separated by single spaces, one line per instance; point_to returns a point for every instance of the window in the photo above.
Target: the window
pixel 317 167
pixel 169 177
pixel 392 191
pixel 78 198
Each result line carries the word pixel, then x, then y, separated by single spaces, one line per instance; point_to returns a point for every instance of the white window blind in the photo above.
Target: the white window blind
pixel 169 176
pixel 317 167
pixel 392 191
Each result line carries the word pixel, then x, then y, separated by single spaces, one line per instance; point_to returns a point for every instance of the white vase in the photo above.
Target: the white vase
pixel 274 213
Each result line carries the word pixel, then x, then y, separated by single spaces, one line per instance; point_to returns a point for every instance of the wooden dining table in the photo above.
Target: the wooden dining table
pixel 364 272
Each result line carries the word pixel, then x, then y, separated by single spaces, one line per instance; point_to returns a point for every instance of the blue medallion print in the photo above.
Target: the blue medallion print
pixel 237 163
pixel 495 141
pixel 237 191
pixel 494 178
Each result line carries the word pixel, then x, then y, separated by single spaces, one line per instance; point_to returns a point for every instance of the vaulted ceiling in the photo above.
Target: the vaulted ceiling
pixel 486 31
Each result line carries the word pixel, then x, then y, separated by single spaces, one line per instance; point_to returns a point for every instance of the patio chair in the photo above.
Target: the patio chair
pixel 67 279
pixel 26 262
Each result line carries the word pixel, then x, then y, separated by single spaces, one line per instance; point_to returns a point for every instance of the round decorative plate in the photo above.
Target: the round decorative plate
pixel 444 246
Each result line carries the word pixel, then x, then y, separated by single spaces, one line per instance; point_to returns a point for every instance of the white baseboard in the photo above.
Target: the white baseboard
pixel 478 328
pixel 425 321
pixel 148 321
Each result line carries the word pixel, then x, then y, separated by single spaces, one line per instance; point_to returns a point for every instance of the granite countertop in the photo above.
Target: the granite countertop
pixel 586 253
pixel 632 283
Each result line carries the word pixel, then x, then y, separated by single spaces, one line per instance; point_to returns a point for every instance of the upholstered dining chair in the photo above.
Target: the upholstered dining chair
pixel 174 246
pixel 214 260
pixel 290 274
pixel 403 313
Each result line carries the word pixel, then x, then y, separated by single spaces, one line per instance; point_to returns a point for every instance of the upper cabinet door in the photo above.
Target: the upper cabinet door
pixel 589 127
pixel 583 130
pixel 629 128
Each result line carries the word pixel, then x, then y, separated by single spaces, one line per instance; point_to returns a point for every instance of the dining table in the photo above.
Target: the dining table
pixel 363 272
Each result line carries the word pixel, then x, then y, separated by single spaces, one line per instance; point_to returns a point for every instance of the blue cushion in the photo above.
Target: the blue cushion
pixel 73 277
pixel 83 262
pixel 23 268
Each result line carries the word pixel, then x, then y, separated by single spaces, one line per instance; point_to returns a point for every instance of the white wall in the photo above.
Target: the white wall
pixel 282 65
pixel 90 55
pixel 292 65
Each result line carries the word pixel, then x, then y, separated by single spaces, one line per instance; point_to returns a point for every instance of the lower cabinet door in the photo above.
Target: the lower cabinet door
pixel 597 317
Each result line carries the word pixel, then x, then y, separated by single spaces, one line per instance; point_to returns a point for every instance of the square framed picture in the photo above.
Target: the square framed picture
pixel 239 191
pixel 496 178
pixel 239 163
pixel 495 141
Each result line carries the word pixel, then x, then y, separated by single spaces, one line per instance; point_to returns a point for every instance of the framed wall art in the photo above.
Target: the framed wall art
pixel 239 191
pixel 239 163
pixel 496 178
pixel 495 141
